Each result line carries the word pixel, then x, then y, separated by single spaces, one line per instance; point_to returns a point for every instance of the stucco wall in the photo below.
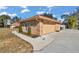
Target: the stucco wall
pixel 48 28
pixel 35 29
pixel 57 27
pixel 41 29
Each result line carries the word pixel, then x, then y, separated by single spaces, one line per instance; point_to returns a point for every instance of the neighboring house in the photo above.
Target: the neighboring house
pixel 16 24
pixel 62 27
pixel 8 23
pixel 65 23
pixel 5 23
pixel 40 25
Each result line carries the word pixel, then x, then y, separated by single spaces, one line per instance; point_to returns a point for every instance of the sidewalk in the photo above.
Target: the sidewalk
pixel 37 43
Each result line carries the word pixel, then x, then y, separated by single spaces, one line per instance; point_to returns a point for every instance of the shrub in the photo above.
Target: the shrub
pixel 29 31
pixel 20 29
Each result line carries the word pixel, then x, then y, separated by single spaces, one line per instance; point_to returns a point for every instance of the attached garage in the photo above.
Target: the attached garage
pixel 41 25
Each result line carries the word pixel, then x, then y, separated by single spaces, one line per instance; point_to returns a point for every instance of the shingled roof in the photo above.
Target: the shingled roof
pixel 40 18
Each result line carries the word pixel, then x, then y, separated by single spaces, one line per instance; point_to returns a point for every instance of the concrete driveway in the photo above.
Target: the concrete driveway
pixel 66 41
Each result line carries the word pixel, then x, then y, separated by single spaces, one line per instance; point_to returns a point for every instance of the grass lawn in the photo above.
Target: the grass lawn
pixel 10 43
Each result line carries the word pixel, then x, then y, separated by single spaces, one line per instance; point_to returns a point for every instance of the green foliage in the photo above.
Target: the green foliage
pixel 72 22
pixel 3 19
pixel 20 29
pixel 48 15
pixel 29 31
pixel 15 19
pixel 64 16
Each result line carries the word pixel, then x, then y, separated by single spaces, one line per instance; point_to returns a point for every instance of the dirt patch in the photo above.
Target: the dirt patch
pixel 11 43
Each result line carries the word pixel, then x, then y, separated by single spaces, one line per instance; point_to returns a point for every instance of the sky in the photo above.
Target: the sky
pixel 28 11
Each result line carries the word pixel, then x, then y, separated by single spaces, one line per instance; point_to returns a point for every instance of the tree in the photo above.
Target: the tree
pixel 72 22
pixel 66 18
pixel 15 19
pixel 55 18
pixel 48 15
pixel 77 9
pixel 3 19
pixel 69 21
pixel 20 29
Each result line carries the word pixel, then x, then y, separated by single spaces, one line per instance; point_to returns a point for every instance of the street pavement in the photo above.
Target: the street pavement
pixel 65 41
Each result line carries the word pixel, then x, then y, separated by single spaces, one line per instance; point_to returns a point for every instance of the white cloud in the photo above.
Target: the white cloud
pixel 3 13
pixel 25 10
pixel 54 15
pixel 23 6
pixel 66 13
pixel 40 12
pixel 3 7
pixel 49 6
pixel 75 10
pixel 61 19
pixel 10 14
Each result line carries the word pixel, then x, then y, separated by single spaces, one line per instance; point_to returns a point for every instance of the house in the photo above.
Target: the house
pixel 5 23
pixel 40 25
pixel 62 27
pixel 16 24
